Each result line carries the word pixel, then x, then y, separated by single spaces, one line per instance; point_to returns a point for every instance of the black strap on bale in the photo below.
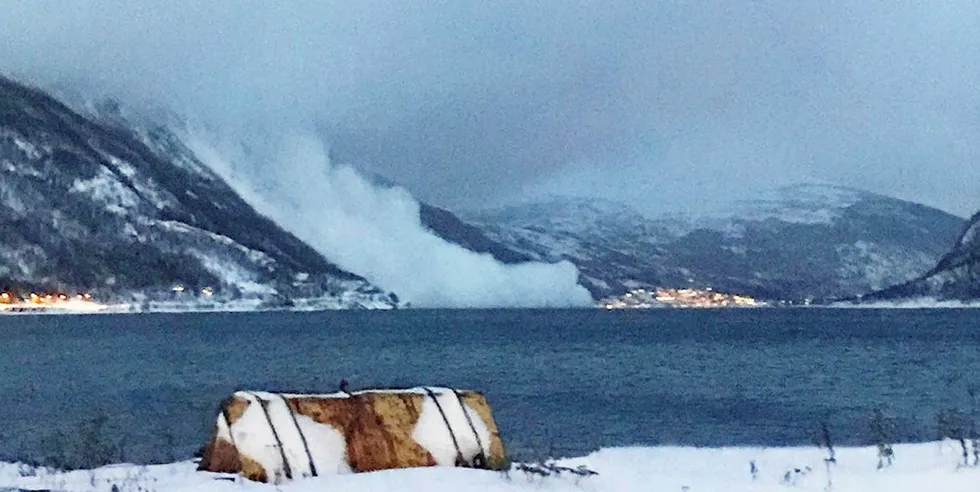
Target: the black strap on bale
pixel 306 446
pixel 282 452
pixel 460 461
pixel 480 460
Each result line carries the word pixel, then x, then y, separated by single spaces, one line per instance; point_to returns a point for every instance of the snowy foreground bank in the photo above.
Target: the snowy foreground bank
pixel 917 467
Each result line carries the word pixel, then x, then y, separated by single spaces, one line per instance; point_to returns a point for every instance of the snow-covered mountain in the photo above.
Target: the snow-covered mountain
pixel 955 277
pixel 802 241
pixel 90 204
pixel 92 201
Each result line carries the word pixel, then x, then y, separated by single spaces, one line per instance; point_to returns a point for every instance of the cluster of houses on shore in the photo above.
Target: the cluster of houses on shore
pixel 16 303
pixel 687 297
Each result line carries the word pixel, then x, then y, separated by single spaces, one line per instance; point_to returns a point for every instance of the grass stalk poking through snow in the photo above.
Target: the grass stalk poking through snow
pixel 882 434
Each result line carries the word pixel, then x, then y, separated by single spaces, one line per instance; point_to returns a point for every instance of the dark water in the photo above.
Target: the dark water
pixel 561 382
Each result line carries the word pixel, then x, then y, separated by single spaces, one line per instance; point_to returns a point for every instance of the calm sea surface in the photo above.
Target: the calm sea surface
pixel 560 382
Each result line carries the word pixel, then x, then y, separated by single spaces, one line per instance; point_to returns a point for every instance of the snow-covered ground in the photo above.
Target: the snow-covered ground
pixel 917 467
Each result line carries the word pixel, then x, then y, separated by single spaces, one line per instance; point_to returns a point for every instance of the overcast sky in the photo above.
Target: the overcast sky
pixel 472 104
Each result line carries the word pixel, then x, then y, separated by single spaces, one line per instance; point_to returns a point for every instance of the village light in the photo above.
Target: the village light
pixel 55 301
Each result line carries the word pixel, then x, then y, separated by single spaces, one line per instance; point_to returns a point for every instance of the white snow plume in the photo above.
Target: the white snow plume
pixel 377 232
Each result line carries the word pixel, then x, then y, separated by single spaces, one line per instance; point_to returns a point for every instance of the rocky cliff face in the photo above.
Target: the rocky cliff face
pixel 805 241
pixel 89 204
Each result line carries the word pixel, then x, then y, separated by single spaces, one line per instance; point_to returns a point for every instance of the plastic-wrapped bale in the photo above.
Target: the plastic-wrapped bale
pixel 271 437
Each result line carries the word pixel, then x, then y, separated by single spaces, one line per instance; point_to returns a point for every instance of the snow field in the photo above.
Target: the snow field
pixel 935 466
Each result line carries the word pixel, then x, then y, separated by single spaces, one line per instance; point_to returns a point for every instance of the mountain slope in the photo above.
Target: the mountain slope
pixel 88 204
pixel 955 277
pixel 452 228
pixel 804 241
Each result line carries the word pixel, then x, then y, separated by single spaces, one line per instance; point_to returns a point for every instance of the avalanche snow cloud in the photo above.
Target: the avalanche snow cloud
pixel 377 232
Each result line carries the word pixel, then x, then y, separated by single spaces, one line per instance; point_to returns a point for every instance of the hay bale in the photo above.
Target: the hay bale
pixel 270 437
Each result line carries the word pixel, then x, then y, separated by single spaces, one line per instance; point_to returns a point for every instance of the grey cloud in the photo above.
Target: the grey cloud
pixel 471 104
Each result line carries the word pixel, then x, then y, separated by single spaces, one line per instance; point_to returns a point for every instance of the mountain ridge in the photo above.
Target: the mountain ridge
pixel 823 241
pixel 92 205
pixel 955 277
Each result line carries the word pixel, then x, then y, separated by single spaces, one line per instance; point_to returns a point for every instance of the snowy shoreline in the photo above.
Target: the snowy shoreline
pixel 916 467
pixel 258 307
pixel 243 306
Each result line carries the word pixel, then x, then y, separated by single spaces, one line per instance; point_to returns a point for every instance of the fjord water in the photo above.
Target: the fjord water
pixel 562 382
